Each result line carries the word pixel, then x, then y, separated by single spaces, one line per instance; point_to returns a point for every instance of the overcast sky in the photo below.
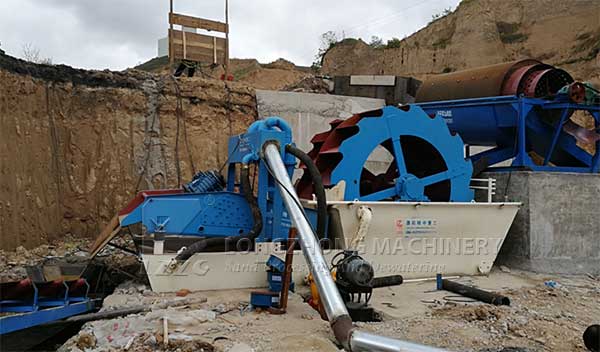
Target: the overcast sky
pixel 117 34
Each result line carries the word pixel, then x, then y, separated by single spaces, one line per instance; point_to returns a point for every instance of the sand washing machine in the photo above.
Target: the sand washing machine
pixel 525 111
pixel 410 212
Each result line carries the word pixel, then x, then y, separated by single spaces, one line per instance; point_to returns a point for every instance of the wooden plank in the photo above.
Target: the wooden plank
pixel 195 22
pixel 227 40
pixel 197 54
pixel 170 39
pixel 197 40
pixel 106 235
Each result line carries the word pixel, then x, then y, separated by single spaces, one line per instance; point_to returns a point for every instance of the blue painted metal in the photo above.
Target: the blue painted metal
pixel 275 263
pixel 248 147
pixel 275 280
pixel 515 126
pixel 17 322
pixel 438 282
pixel 193 214
pixel 393 124
pixel 36 306
pixel 264 299
pixel 207 213
pixel 205 181
pixel 275 274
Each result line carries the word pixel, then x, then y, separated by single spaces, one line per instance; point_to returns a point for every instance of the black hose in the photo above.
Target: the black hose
pixel 236 243
pixel 475 293
pixel 318 187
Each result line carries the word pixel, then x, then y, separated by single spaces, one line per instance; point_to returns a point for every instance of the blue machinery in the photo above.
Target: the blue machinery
pixel 419 160
pixel 522 110
pixel 515 126
pixel 212 210
pixel 209 208
pixel 425 159
pixel 39 303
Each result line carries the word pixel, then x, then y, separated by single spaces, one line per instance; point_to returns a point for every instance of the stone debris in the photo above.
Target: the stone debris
pixel 13 263
pixel 311 84
pixel 539 319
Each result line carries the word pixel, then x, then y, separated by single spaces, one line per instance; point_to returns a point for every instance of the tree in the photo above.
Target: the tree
pixel 444 13
pixel 393 43
pixel 376 42
pixel 328 40
pixel 32 54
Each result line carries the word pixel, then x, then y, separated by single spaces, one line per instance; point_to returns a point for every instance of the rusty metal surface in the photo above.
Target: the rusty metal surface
pixel 545 83
pixel 513 84
pixel 473 83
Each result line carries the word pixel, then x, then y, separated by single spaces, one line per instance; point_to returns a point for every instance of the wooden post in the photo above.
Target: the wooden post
pixel 227 39
pixel 214 50
pixel 171 53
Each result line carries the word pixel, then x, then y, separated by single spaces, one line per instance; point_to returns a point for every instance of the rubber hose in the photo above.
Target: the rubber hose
pixel 215 244
pixel 318 187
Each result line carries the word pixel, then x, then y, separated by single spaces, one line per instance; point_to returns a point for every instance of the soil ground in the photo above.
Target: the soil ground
pixel 547 313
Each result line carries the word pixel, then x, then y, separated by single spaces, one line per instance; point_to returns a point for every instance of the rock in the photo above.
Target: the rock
pixel 504 269
pixel 519 333
pixel 521 320
pixel 86 340
pixel 568 315
pixel 150 341
pixel 183 292
pixel 540 340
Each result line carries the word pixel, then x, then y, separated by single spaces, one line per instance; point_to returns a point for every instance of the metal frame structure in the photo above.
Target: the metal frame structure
pixel 224 213
pixel 514 126
pixel 40 303
pixel 425 157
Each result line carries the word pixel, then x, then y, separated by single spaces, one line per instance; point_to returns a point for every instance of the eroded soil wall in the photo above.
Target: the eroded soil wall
pixel 76 145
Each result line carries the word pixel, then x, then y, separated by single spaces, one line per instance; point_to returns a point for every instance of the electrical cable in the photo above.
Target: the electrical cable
pixel 385 19
pixel 177 118
pixel 318 188
pixel 147 143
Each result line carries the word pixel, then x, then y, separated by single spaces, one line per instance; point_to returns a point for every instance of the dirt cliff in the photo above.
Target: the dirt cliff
pixel 76 145
pixel 275 75
pixel 482 32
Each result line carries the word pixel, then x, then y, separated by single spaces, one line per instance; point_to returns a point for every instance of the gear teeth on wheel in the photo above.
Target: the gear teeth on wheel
pixel 345 141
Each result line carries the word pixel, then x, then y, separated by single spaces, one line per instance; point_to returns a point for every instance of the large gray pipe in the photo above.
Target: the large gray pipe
pixel 341 323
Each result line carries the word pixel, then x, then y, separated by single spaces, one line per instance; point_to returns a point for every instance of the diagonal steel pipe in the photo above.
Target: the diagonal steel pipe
pixel 337 314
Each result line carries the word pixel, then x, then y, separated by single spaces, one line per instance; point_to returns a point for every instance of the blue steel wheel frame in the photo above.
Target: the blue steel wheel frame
pixel 428 161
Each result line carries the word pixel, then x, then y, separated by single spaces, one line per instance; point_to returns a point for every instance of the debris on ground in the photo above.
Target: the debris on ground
pixel 311 84
pixel 13 263
pixel 540 318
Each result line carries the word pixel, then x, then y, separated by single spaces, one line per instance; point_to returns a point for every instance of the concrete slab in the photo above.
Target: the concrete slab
pixel 310 113
pixel 372 80
pixel 557 228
